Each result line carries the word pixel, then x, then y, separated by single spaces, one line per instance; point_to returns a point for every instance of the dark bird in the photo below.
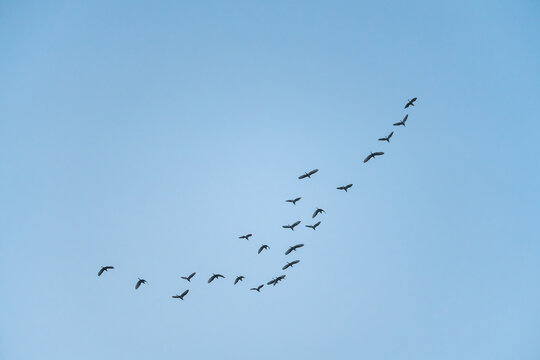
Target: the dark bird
pixel 410 103
pixel 247 236
pixel 263 247
pixel 402 122
pixel 188 278
pixel 258 288
pixel 215 276
pixel 314 226
pixel 308 174
pixel 387 139
pixel 293 248
pixel 290 264
pixel 181 296
pixel 292 226
pixel 275 281
pixel 238 278
pixel 104 268
pixel 372 155
pixel 317 212
pixel 346 187
pixel 293 201
pixel 141 281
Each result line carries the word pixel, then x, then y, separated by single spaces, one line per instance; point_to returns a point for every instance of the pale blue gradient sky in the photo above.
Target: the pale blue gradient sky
pixel 150 135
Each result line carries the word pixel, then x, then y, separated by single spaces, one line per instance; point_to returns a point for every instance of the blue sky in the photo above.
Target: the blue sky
pixel 149 136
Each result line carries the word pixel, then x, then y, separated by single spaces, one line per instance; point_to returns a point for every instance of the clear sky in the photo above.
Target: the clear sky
pixel 150 135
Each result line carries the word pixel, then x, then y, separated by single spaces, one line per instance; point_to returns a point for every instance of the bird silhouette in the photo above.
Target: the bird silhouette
pixel 263 247
pixel 247 236
pixel 181 296
pixel 141 281
pixel 402 122
pixel 215 276
pixel 276 280
pixel 346 187
pixel 188 278
pixel 290 264
pixel 314 226
pixel 387 139
pixel 372 155
pixel 317 212
pixel 293 201
pixel 239 278
pixel 293 248
pixel 258 288
pixel 308 174
pixel 410 103
pixel 292 226
pixel 104 268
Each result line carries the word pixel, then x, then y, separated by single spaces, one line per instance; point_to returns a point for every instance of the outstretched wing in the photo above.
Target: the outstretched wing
pixel 367 158
pixel 260 249
pixel 211 278
pixel 405 119
pixel 184 294
pixel 298 246
pixel 379 153
pixel 390 135
pixel 348 186
pixel 303 176
pixel 191 275
pixel 286 226
pixel 313 172
pixel 138 284
pixel 286 266
pixel 382 139
pixel 176 297
pixel 396 124
pixel 296 223
pixel 101 271
pixel 317 224
pixel 295 262
pixel 288 251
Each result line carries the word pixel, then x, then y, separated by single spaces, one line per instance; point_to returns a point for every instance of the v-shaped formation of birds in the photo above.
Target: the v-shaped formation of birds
pixel 263 247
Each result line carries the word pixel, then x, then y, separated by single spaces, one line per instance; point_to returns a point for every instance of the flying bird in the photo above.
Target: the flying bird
pixel 410 103
pixel 346 187
pixel 247 236
pixel 141 281
pixel 104 268
pixel 402 122
pixel 308 174
pixel 293 201
pixel 290 264
pixel 238 278
pixel 292 226
pixel 258 288
pixel 215 276
pixel 314 226
pixel 387 139
pixel 275 281
pixel 317 212
pixel 293 248
pixel 188 278
pixel 372 155
pixel 181 296
pixel 263 247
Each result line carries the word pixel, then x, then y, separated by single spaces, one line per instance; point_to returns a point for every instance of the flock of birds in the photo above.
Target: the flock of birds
pixel 263 247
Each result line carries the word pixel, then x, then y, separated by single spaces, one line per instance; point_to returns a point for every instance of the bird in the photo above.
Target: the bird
pixel 293 201
pixel 258 288
pixel 247 236
pixel 402 122
pixel 181 296
pixel 141 281
pixel 188 278
pixel 215 276
pixel 290 264
pixel 308 174
pixel 410 103
pixel 275 281
pixel 346 187
pixel 263 247
pixel 317 212
pixel 104 268
pixel 292 226
pixel 238 278
pixel 293 248
pixel 372 155
pixel 387 139
pixel 314 226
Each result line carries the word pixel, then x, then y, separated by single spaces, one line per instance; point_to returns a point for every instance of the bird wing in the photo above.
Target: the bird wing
pixel 378 153
pixel 396 124
pixel 349 186
pixel 288 251
pixel 298 246
pixel 405 119
pixel 289 201
pixel 138 284
pixel 390 135
pixel 341 188
pixel 367 158
pixel 303 176
pixel 192 275
pixel 296 223
pixel 286 226
pixel 382 139
pixel 260 249
pixel 315 213
pixel 286 266
pixel 317 224
pixel 260 287
pixel 176 297
pixel 295 262
pixel 100 271
pixel 184 293
pixel 413 99
pixel 298 198
pixel 211 279
pixel 313 172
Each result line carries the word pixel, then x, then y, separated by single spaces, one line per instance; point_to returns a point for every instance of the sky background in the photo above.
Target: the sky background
pixel 150 135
